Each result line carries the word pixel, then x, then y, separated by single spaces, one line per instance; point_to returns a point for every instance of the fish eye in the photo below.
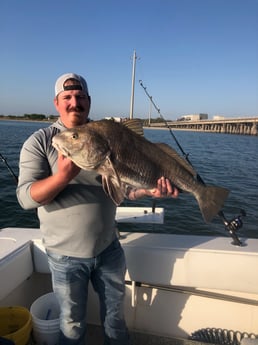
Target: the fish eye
pixel 75 135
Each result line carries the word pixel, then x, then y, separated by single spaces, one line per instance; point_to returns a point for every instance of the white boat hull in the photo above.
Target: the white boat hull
pixel 176 284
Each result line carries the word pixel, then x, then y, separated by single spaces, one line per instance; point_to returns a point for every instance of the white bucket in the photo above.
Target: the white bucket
pixel 45 313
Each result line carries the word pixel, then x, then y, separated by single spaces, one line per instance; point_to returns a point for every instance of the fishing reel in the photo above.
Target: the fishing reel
pixel 233 225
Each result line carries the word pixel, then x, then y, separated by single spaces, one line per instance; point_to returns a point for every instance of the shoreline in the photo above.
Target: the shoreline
pixel 27 120
pixel 237 130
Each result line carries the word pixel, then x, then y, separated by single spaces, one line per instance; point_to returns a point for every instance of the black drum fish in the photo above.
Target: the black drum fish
pixel 123 157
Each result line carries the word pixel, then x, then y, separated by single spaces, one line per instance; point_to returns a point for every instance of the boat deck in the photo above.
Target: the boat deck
pixel 94 337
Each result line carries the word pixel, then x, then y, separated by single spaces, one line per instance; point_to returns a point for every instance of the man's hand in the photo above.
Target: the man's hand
pixel 66 168
pixel 164 189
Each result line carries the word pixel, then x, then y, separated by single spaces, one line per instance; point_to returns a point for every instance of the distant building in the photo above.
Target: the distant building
pixel 116 119
pixel 218 117
pixel 193 117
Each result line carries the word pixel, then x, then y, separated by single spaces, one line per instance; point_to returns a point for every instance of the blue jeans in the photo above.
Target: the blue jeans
pixel 71 276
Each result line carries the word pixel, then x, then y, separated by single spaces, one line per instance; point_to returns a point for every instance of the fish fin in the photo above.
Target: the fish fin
pixel 180 160
pixel 111 182
pixel 211 200
pixel 113 190
pixel 134 125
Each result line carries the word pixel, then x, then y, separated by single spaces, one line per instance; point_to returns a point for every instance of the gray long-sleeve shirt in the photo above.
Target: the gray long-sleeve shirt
pixel 80 221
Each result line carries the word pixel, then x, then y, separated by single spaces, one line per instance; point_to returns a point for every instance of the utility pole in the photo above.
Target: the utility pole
pixel 133 82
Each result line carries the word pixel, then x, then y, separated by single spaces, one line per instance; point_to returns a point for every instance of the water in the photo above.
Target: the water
pixel 12 136
pixel 226 160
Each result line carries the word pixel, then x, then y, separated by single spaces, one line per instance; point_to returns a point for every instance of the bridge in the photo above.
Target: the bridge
pixel 243 126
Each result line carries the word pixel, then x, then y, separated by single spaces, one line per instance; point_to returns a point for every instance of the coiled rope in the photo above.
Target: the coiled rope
pixel 221 336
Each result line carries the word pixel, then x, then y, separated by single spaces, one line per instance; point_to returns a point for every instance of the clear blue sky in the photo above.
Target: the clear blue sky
pixel 195 56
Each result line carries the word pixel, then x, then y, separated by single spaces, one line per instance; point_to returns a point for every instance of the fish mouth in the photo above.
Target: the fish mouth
pixel 61 149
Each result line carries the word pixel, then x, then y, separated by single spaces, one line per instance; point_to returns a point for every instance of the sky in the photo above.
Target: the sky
pixel 193 56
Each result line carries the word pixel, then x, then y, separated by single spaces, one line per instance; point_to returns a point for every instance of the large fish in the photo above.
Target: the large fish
pixel 124 157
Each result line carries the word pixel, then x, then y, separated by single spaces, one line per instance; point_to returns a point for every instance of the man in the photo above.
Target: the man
pixel 77 220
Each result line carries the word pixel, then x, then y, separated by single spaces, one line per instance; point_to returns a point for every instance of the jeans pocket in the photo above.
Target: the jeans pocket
pixel 57 258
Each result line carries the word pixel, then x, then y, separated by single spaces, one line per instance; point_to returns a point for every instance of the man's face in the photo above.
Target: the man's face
pixel 73 107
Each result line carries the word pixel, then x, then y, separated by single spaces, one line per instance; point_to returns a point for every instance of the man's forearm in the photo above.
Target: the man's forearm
pixel 44 191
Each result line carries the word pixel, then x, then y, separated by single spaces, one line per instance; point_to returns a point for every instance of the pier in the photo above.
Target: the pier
pixel 242 126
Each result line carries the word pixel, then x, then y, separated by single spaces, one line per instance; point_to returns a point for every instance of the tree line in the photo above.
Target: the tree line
pixel 37 117
pixel 43 117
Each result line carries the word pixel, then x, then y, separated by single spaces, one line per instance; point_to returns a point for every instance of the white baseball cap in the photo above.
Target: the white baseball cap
pixel 59 86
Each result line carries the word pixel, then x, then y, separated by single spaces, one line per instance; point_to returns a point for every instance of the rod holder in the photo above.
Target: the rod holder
pixel 233 226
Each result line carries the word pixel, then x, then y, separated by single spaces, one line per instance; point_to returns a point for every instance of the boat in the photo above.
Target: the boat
pixel 179 288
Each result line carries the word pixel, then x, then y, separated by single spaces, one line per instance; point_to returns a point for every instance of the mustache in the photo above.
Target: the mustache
pixel 78 109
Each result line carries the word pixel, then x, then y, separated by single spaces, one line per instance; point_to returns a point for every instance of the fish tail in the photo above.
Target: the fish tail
pixel 211 200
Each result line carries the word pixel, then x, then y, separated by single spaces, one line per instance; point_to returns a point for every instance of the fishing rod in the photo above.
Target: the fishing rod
pixel 232 225
pixel 4 160
pixel 172 134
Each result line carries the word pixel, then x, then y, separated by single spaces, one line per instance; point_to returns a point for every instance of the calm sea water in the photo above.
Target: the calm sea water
pixel 226 160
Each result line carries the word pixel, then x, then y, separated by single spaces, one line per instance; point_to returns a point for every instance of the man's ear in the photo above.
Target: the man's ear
pixel 55 102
